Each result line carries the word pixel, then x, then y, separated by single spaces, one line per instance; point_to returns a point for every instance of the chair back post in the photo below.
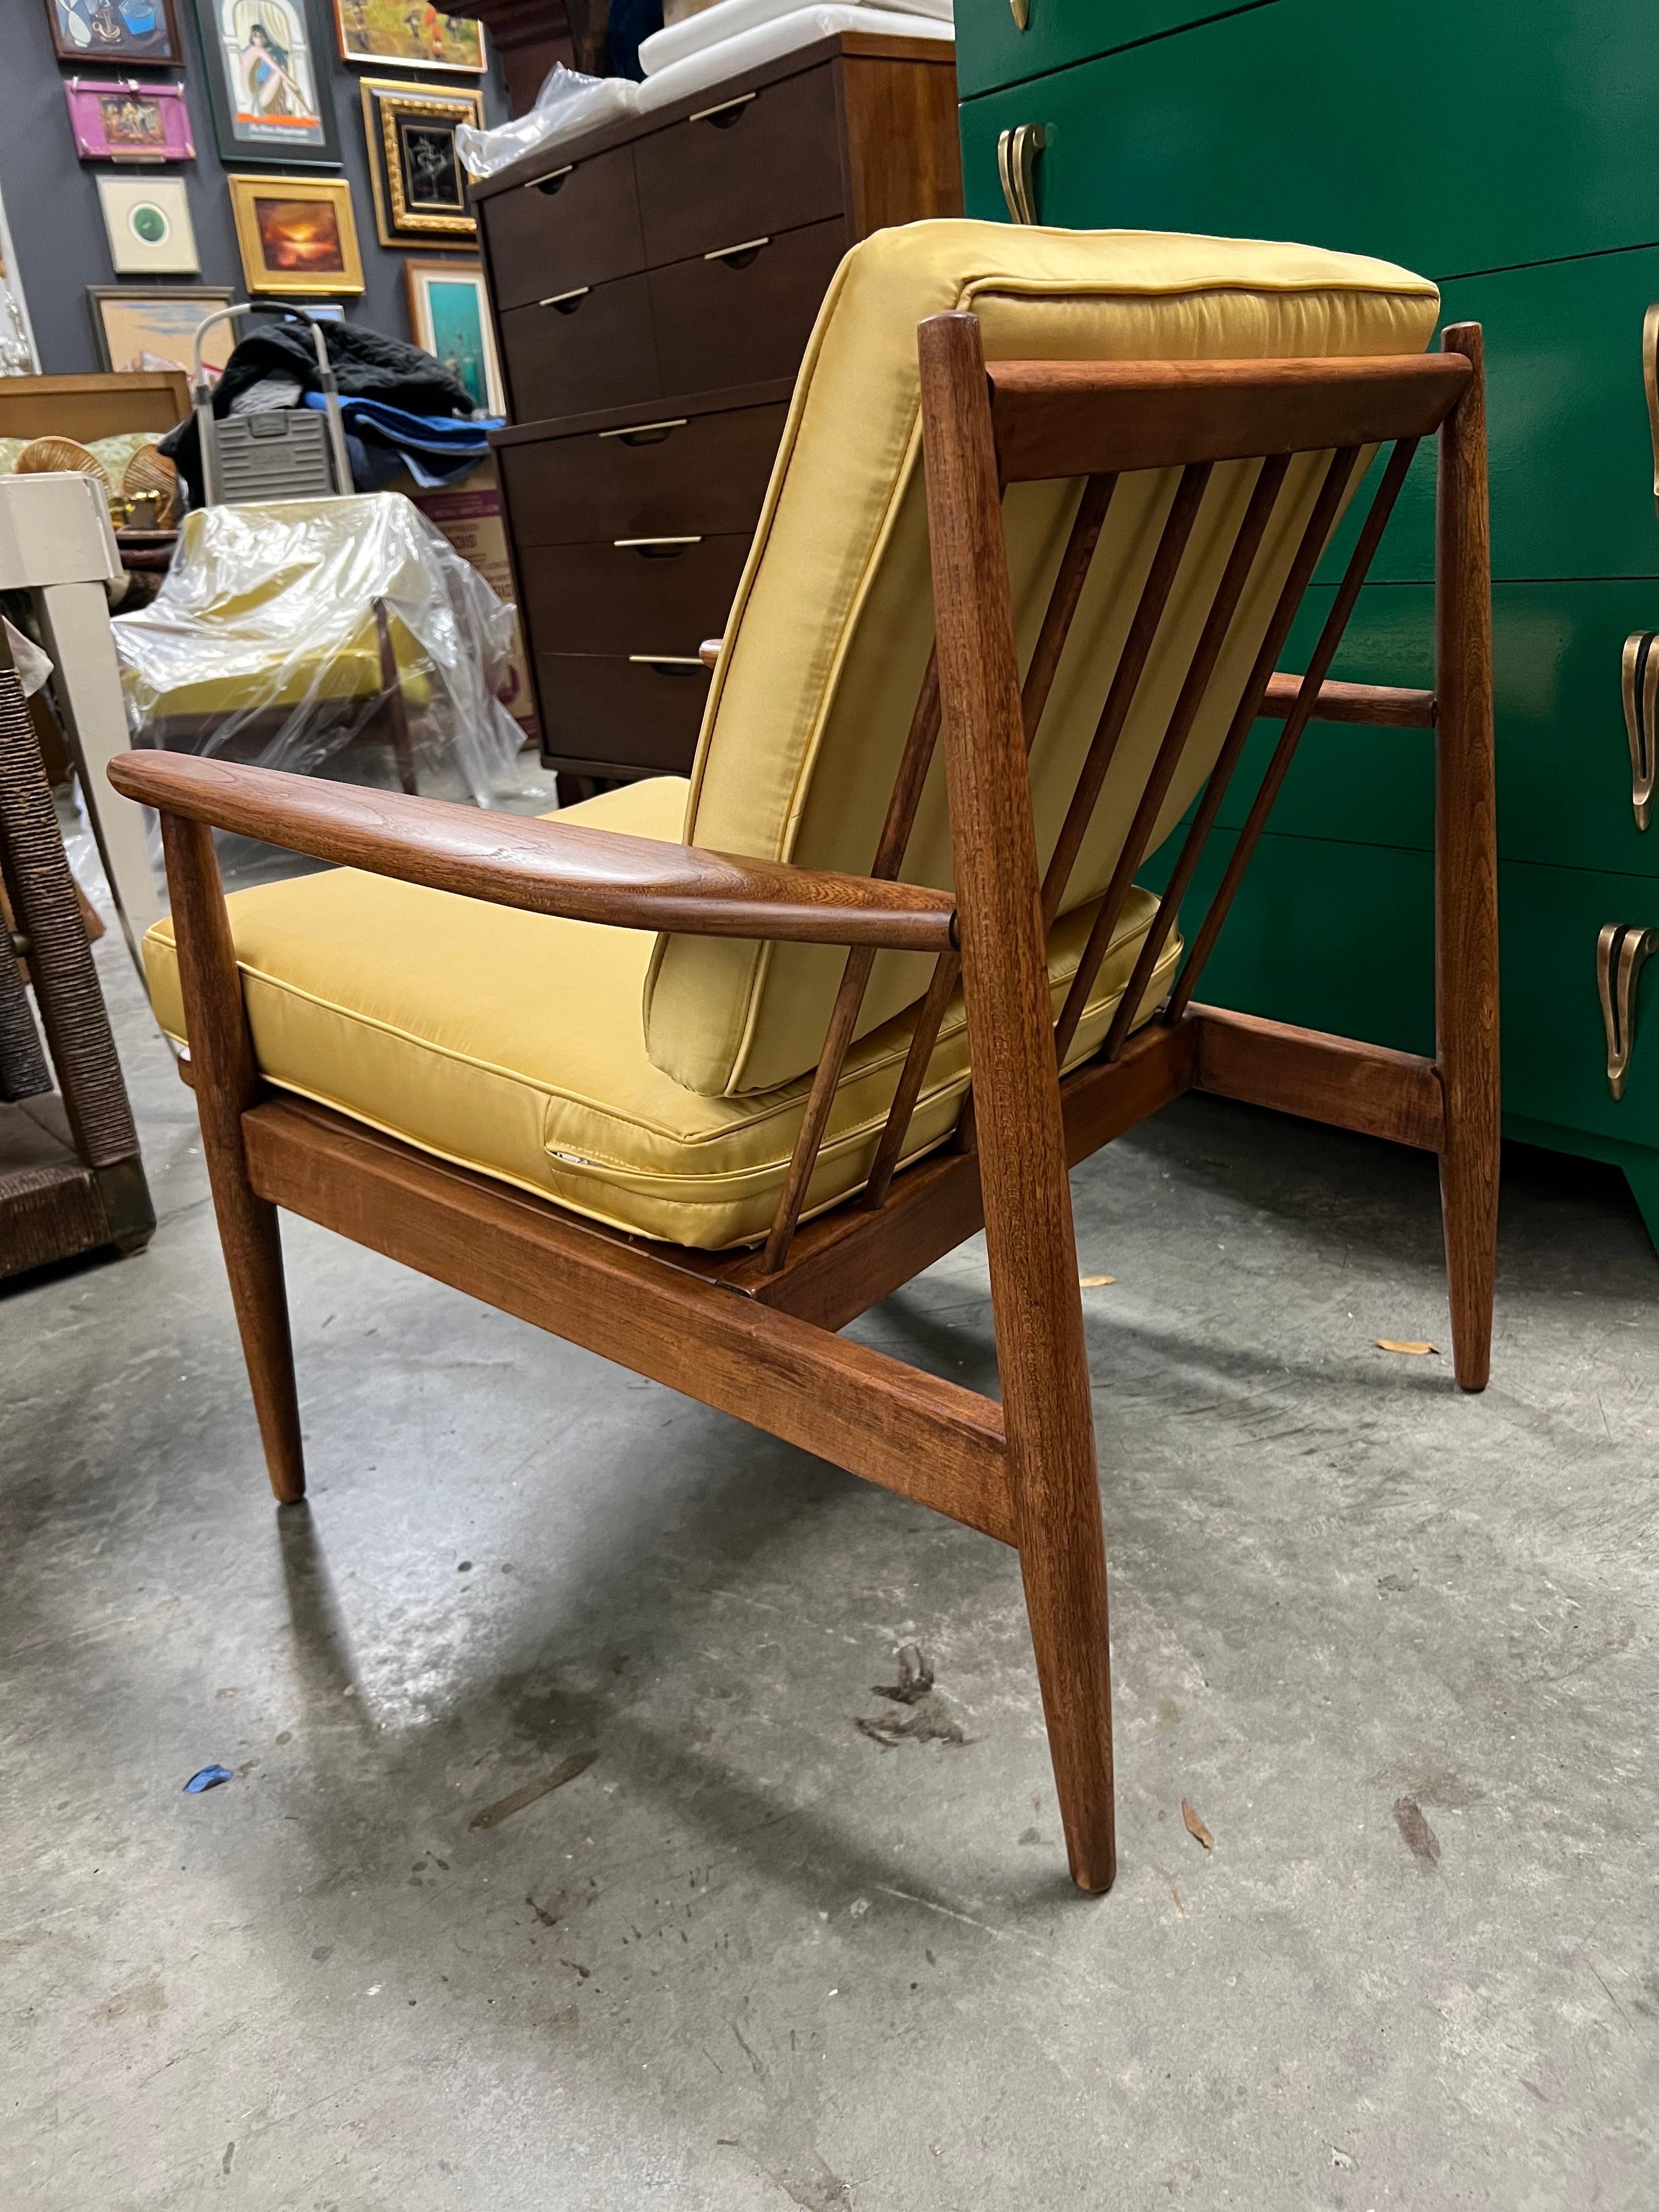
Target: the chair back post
pixel 1030 1243
pixel 1466 868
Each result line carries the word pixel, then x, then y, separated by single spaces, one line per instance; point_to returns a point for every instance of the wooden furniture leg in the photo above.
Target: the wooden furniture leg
pixel 1041 1351
pixel 394 707
pixel 1466 874
pixel 227 1084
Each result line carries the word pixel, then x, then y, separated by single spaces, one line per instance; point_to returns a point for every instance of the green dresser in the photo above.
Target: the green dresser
pixel 1503 148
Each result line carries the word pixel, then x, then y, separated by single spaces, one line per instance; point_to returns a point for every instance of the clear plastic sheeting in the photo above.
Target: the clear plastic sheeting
pixel 285 632
pixel 567 102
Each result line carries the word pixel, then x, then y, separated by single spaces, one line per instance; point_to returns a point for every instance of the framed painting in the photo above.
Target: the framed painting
pixel 18 354
pixel 297 235
pixel 449 318
pixel 420 184
pixel 148 222
pixel 411 33
pixel 267 83
pixel 140 327
pixel 116 31
pixel 126 120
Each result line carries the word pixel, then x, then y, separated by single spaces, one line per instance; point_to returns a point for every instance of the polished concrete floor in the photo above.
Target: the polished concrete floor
pixel 558 1870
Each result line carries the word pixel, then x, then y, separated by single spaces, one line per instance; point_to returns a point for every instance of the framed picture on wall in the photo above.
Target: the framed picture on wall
pixel 18 355
pixel 449 317
pixel 410 33
pixel 145 326
pixel 268 83
pixel 116 31
pixel 117 119
pixel 297 235
pixel 420 186
pixel 148 225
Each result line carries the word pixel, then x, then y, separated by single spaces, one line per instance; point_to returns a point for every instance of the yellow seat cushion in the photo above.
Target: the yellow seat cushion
pixel 513 1042
pixel 833 620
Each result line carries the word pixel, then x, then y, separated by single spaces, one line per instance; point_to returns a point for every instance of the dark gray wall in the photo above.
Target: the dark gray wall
pixel 51 197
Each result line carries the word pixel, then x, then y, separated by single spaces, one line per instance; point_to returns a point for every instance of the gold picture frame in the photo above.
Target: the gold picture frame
pixel 419 181
pixel 382 31
pixel 297 235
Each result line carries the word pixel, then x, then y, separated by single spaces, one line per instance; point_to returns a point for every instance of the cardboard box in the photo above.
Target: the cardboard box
pixel 469 513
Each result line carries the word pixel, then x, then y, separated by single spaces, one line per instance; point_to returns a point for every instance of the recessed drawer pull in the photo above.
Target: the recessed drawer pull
pixel 1641 689
pixel 646 434
pixel 671 663
pixel 566 302
pixel 1620 955
pixel 550 183
pixel 654 548
pixel 725 114
pixel 738 256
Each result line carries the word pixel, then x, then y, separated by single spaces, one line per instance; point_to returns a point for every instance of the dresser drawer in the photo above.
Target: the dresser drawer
pixel 564 355
pixel 605 715
pixel 576 223
pixel 654 598
pixel 758 309
pixel 702 473
pixel 768 161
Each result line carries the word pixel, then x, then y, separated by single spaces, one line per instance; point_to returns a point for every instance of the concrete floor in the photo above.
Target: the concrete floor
pixel 1395 1646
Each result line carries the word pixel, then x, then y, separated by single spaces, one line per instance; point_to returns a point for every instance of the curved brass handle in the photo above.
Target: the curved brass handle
pixel 1620 955
pixel 1016 153
pixel 1641 689
pixel 1651 381
pixel 1022 14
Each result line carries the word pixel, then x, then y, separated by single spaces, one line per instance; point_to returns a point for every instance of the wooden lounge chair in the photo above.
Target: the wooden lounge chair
pixel 702 1149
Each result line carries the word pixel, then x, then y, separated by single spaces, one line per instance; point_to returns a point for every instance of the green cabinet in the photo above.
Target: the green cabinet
pixel 1492 134
pixel 992 49
pixel 1501 147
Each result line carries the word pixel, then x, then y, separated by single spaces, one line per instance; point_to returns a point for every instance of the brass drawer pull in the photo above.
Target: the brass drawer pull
pixel 1016 153
pixel 725 114
pixel 567 303
pixel 670 664
pixel 1022 12
pixel 646 434
pixel 1620 955
pixel 551 182
pixel 738 256
pixel 1651 381
pixel 654 548
pixel 1641 688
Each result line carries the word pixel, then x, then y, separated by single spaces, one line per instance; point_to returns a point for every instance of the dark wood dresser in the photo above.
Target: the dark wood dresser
pixel 654 284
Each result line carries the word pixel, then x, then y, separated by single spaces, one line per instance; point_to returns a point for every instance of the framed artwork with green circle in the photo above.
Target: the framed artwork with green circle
pixel 148 225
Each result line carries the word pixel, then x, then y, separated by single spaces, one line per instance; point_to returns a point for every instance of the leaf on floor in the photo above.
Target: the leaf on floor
pixel 1094 1282
pixel 1195 1827
pixel 1417 1350
pixel 930 1718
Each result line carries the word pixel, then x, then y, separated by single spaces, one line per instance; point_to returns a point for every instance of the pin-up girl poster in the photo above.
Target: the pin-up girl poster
pixel 267 104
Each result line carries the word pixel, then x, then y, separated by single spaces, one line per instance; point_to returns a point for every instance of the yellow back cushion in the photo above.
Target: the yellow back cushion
pixel 833 622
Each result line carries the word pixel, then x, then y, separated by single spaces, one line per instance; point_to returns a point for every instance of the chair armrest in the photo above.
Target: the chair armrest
pixel 709 651
pixel 544 867
pixel 1385 706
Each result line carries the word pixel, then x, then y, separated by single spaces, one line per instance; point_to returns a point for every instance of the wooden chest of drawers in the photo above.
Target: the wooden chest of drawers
pixel 654 284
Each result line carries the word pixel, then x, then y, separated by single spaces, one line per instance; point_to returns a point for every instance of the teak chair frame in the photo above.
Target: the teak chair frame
pixel 753 1334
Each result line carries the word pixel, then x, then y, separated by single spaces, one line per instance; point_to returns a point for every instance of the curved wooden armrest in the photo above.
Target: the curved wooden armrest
pixel 544 867
pixel 709 651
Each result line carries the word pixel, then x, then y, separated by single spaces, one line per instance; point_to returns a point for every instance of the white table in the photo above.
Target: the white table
pixel 56 543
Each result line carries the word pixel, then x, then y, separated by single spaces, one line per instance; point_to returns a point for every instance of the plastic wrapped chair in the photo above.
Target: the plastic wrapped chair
pixel 287 630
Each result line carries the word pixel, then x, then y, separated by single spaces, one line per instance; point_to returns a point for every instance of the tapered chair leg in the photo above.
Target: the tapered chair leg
pixel 1030 1249
pixel 1466 875
pixel 227 1084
